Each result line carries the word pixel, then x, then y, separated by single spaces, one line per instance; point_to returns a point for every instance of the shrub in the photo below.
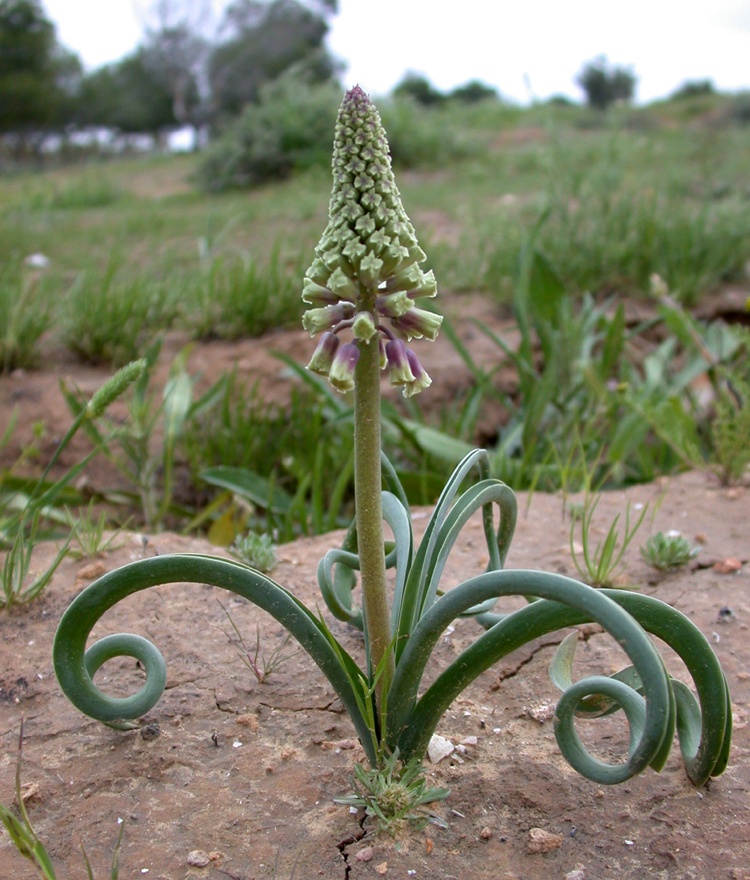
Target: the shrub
pixel 289 129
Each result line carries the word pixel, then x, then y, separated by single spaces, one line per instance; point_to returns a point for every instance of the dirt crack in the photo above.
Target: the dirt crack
pixel 343 845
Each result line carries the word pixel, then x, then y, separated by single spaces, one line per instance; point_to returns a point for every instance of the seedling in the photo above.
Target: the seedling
pixel 260 666
pixel 600 565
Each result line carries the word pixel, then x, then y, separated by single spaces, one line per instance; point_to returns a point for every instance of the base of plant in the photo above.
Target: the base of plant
pixel 394 794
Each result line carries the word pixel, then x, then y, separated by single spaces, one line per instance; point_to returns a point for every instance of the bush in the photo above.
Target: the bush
pixel 605 84
pixel 289 129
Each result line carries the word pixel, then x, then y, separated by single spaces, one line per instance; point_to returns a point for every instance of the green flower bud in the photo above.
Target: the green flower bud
pixel 364 327
pixel 315 294
pixel 394 304
pixel 341 375
pixel 418 323
pixel 326 318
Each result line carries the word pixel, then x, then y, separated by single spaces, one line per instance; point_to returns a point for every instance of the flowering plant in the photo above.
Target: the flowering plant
pixel 362 290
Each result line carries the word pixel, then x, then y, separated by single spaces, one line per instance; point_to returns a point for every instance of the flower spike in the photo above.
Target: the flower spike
pixel 366 274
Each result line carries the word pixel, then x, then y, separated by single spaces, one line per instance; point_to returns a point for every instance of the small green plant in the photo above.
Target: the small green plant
pixel 730 430
pixel 35 501
pixel 362 293
pixel 27 842
pixel 599 565
pixel 143 448
pixel 112 319
pixel 235 296
pixel 89 532
pixel 258 551
pixel 260 665
pixel 26 312
pixel 18 588
pixel 394 794
pixel 668 550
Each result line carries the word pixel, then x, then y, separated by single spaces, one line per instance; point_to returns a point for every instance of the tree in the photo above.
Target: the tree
pixel 420 89
pixel 473 92
pixel 128 96
pixel 262 41
pixel 605 84
pixel 177 40
pixel 37 76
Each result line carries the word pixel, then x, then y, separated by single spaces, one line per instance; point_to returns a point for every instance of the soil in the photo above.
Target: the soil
pixel 241 774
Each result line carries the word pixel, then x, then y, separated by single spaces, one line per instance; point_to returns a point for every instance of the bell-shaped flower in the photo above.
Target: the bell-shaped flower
pixel 341 374
pixel 399 369
pixel 422 379
pixel 322 359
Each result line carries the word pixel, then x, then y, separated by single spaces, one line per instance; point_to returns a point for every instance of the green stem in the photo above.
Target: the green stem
pixel 368 487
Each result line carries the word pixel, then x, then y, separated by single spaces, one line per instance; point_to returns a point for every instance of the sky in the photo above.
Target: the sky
pixel 527 50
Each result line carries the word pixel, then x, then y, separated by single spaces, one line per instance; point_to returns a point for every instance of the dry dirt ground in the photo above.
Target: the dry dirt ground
pixel 245 772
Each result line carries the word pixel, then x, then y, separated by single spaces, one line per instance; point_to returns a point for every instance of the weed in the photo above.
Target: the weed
pixel 730 431
pixel 26 312
pixel 260 665
pixel 111 319
pixel 668 550
pixel 17 590
pixel 88 532
pixel 600 564
pixel 235 296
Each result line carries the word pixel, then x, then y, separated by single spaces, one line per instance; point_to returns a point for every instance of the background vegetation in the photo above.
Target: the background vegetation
pixel 603 230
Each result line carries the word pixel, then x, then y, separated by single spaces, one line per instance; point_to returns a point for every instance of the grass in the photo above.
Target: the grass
pixel 597 204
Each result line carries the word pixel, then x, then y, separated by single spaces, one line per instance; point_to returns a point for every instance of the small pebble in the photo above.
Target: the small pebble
pixel 150 731
pixel 439 748
pixel 541 841
pixel 198 858
pixel 365 855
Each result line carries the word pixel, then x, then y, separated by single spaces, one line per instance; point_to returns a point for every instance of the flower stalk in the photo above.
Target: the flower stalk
pixel 364 283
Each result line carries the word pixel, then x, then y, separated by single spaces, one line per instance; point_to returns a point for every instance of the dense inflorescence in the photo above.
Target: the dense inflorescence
pixel 366 276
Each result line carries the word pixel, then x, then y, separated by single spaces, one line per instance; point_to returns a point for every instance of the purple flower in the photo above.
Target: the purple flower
pixel 323 356
pixel 399 370
pixel 341 375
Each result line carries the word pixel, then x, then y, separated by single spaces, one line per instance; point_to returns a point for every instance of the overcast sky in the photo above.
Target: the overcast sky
pixel 527 50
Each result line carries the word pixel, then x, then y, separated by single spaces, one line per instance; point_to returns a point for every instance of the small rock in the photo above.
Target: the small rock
pixel 541 841
pixel 382 868
pixel 486 833
pixel 198 858
pixel 540 712
pixel 91 571
pixel 469 741
pixel 576 874
pixel 728 566
pixel 37 261
pixel 30 792
pixel 150 731
pixel 365 855
pixel 439 748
